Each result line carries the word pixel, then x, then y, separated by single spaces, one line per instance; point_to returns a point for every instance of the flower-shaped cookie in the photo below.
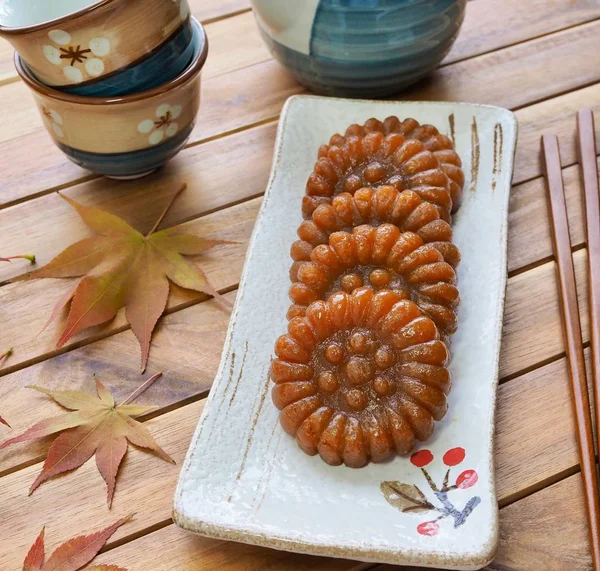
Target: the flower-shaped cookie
pixel 380 257
pixel 163 126
pixel 78 62
pixel 440 145
pixel 360 377
pixel 377 159
pixel 406 209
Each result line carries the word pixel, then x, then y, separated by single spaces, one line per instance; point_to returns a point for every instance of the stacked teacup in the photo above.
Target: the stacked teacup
pixel 117 82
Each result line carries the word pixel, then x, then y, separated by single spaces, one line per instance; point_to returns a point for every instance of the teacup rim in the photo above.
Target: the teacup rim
pixel 19 30
pixel 189 73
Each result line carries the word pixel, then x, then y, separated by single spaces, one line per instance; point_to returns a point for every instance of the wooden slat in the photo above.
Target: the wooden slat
pixel 532 331
pixel 233 44
pixel 529 243
pixel 546 531
pixel 557 115
pixel 204 10
pixel 494 24
pixel 146 484
pixel 520 73
pixel 186 551
pixel 266 86
pixel 250 154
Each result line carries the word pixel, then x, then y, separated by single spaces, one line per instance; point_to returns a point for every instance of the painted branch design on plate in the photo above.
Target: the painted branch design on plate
pixel 409 498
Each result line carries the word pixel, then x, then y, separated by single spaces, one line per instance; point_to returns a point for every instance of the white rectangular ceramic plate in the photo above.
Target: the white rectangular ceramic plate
pixel 245 480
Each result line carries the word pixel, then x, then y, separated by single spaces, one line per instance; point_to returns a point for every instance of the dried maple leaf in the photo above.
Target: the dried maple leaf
pixel 73 554
pixel 124 268
pixel 97 426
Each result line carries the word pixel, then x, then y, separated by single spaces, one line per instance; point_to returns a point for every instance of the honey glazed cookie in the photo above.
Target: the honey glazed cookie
pixel 380 257
pixel 374 160
pixel 440 145
pixel 405 209
pixel 360 377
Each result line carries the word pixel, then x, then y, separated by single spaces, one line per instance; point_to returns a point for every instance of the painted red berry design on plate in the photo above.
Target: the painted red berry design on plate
pixel 454 456
pixel 467 479
pixel 421 458
pixel 408 498
pixel 429 528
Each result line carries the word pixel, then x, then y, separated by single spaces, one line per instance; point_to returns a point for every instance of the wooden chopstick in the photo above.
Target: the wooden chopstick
pixel 573 339
pixel 589 175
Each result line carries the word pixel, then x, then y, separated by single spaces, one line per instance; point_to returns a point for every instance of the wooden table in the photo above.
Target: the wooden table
pixel 537 57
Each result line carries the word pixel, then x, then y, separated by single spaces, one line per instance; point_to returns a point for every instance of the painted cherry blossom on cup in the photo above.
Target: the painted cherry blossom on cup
pixel 409 498
pixel 55 121
pixel 164 126
pixel 78 62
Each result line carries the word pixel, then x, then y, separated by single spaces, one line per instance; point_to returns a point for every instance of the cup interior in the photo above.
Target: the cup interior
pixel 26 13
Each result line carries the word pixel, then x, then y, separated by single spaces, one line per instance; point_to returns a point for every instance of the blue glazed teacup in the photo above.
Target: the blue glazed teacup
pixel 359 48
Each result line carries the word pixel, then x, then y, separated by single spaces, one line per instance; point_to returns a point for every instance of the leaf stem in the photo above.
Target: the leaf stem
pixel 6 355
pixel 142 388
pixel 164 212
pixel 29 257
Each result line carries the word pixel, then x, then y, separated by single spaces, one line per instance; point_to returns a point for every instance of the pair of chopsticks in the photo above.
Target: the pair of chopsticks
pixel 570 307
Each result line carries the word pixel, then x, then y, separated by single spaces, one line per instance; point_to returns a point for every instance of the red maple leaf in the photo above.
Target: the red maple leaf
pixel 73 554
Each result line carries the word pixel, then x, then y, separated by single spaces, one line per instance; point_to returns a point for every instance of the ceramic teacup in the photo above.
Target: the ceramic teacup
pixel 359 49
pixel 124 137
pixel 66 43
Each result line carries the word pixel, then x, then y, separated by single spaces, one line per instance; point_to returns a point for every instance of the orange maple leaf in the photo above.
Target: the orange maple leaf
pixel 73 554
pixel 124 268
pixel 96 427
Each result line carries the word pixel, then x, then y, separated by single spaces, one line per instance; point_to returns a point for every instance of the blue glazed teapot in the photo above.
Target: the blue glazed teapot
pixel 359 48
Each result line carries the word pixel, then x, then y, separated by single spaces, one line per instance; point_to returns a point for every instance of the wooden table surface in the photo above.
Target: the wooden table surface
pixel 537 57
